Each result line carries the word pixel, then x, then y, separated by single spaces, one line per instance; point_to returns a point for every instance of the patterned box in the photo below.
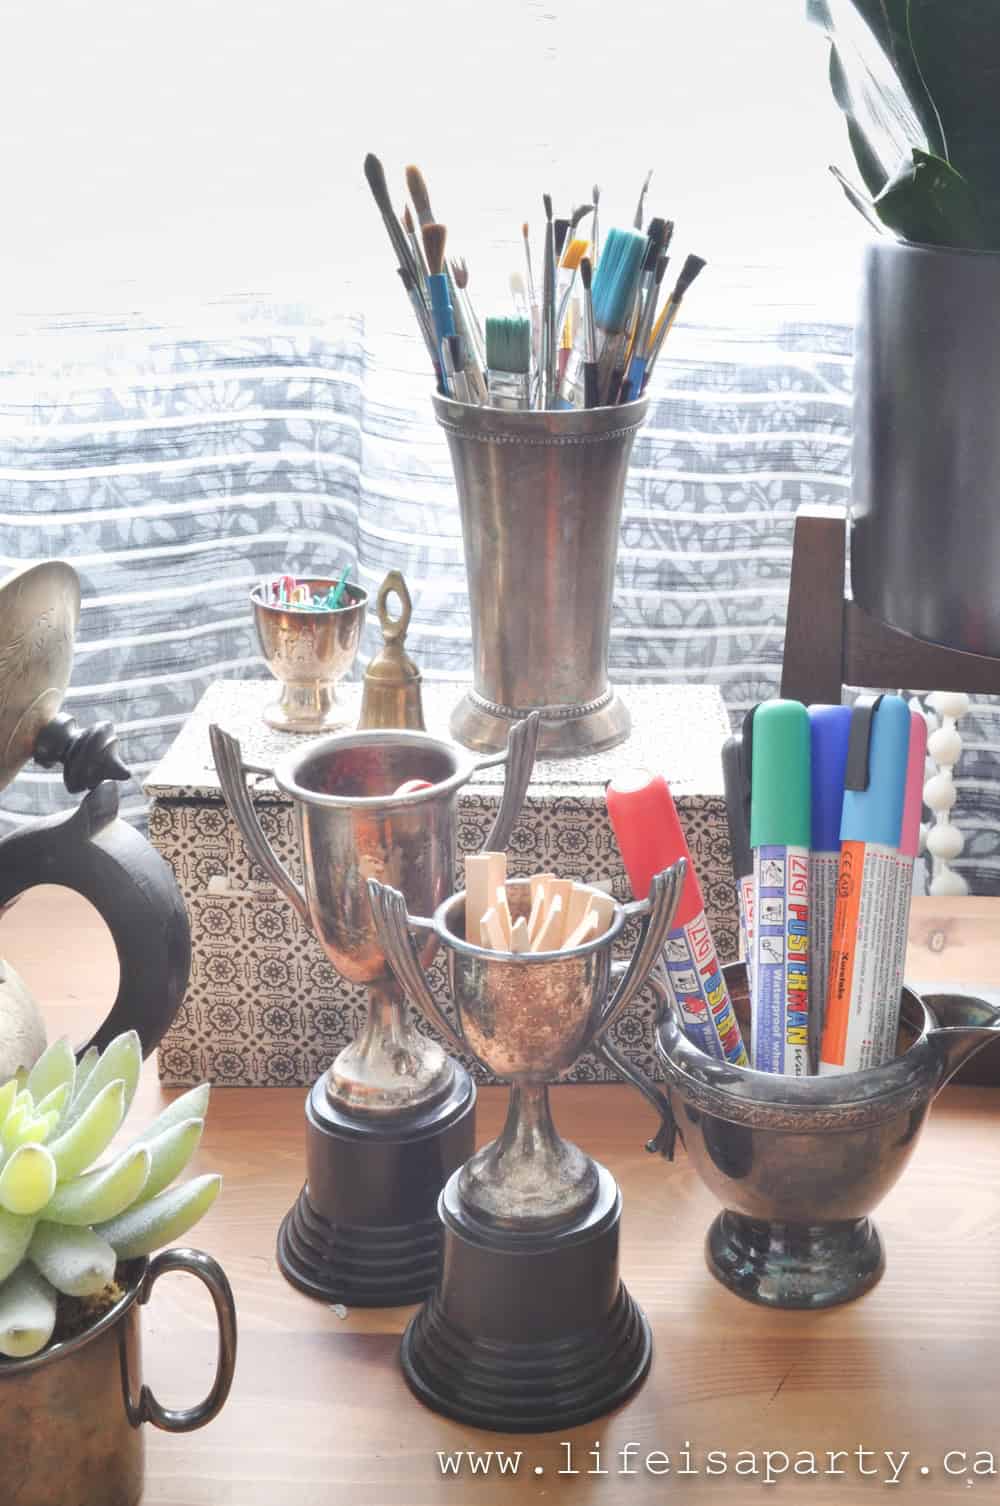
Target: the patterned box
pixel 265 1007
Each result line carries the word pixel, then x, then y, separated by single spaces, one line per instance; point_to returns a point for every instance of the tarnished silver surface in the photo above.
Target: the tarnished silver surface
pixel 309 652
pixel 39 612
pixel 540 495
pixel 526 1017
pixel 352 828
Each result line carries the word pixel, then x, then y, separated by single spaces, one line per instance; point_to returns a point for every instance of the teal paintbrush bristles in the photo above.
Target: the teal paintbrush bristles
pixel 508 344
pixel 617 278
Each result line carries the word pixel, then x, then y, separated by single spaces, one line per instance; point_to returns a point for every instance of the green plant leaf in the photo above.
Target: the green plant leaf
pixel 88 1061
pixel 56 1101
pixel 102 1194
pixel 27 1313
pixel 55 1067
pixel 74 1261
pixel 16 1230
pixel 7 1095
pixel 80 1145
pixel 169 1153
pixel 190 1105
pixel 122 1059
pixel 957 46
pixel 27 1180
pixel 930 203
pixel 142 1230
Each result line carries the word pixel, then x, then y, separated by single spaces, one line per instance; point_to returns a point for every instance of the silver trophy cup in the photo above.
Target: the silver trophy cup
pixel 391 1094
pixel 530 1327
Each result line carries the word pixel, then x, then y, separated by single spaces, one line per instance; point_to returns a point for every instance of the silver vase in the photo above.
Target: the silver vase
pixel 540 495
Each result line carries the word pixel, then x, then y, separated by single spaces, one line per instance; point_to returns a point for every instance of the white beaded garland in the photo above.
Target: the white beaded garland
pixel 945 842
pixel 951 703
pixel 945 745
pixel 939 792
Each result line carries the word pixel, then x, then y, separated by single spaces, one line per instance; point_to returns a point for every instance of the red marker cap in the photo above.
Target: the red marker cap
pixel 650 837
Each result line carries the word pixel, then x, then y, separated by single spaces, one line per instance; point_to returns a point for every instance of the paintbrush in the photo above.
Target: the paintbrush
pixel 560 230
pixel 416 249
pixel 519 295
pixel 547 343
pixel 419 196
pixel 533 304
pixel 508 363
pixel 568 330
pixel 376 182
pixel 527 262
pixel 580 213
pixel 613 292
pixel 692 266
pixel 442 312
pixel 637 222
pixel 589 339
pixel 424 320
pixel 453 355
pixel 574 253
pixel 636 369
pixel 595 233
pixel 654 245
pixel 467 325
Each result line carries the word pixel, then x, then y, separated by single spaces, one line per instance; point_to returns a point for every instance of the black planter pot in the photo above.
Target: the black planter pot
pixel 925 542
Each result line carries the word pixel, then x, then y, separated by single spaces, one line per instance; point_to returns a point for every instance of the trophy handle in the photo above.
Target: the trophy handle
pixel 658 913
pixel 392 927
pixel 230 768
pixel 665 1139
pixel 519 756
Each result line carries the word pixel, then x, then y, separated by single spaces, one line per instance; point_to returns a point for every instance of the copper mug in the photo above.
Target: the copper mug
pixel 71 1417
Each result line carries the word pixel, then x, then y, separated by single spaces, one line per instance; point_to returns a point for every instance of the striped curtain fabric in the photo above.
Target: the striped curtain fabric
pixel 174 461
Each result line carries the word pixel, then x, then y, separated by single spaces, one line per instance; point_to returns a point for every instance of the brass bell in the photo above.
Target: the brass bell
pixel 391 695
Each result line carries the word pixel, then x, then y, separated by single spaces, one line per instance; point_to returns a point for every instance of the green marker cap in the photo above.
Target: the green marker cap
pixel 780 783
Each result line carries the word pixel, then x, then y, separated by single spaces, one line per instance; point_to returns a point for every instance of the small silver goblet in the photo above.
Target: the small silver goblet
pixel 309 651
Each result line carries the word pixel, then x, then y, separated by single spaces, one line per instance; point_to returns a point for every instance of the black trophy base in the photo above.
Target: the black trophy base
pixel 365 1230
pixel 528 1333
pixel 794 1265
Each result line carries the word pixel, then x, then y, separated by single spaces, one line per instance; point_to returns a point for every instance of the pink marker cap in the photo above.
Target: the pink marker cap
pixel 913 799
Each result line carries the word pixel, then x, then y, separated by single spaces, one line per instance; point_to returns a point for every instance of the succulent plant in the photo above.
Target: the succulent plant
pixel 64 1225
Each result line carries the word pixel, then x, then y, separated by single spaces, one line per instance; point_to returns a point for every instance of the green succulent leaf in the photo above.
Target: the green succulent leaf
pixel 122 1059
pixel 7 1095
pixel 76 1262
pixel 33 1129
pixel 55 1068
pixel 56 1101
pixel 80 1145
pixel 169 1153
pixel 27 1313
pixel 28 1180
pixel 88 1061
pixel 142 1230
pixel 100 1195
pixel 190 1105
pixel 16 1230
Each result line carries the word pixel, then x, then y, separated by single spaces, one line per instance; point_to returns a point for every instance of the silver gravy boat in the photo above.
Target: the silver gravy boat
pixel 799 1163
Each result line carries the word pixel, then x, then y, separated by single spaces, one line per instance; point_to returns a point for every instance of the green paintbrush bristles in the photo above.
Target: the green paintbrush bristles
pixel 616 278
pixel 508 344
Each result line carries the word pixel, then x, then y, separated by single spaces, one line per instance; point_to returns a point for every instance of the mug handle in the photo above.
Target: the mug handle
pixel 211 1274
pixel 519 756
pixel 664 1141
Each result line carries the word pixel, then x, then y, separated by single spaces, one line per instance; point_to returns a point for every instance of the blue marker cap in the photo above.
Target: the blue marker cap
pixel 829 729
pixel 875 814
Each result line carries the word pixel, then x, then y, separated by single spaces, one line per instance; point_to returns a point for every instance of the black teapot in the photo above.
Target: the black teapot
pixel 89 849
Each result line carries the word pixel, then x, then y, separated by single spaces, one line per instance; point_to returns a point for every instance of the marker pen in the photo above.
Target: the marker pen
pixel 780 829
pixel 829 728
pixel 858 990
pixel 909 842
pixel 737 786
pixel 650 838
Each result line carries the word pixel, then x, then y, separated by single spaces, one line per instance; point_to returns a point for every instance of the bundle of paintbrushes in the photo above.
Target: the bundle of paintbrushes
pixel 563 914
pixel 563 347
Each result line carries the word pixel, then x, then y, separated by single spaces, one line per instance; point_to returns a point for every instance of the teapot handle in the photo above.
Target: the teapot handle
pixel 134 891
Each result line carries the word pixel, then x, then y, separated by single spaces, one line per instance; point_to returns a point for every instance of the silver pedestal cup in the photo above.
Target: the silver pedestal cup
pixel 353 829
pixel 526 1018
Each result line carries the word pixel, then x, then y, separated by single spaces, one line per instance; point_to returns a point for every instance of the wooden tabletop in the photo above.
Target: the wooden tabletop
pixel 319 1414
